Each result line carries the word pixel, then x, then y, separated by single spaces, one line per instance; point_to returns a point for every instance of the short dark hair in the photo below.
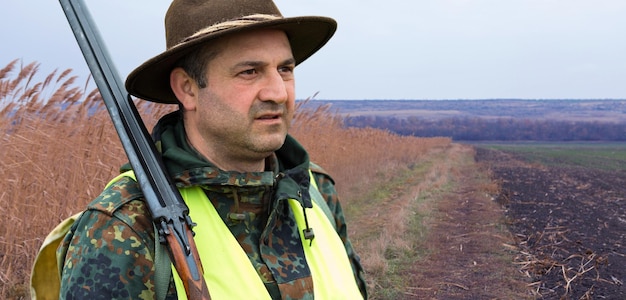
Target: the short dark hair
pixel 196 62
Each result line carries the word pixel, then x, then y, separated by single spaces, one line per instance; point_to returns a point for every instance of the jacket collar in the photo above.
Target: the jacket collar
pixel 287 167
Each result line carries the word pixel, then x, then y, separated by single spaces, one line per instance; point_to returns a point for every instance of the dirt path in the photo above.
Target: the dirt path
pixel 499 228
pixel 469 247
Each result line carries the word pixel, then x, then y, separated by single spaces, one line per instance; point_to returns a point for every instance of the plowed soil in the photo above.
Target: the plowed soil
pixel 569 225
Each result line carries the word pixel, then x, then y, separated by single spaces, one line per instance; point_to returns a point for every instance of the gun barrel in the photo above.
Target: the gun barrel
pixel 161 196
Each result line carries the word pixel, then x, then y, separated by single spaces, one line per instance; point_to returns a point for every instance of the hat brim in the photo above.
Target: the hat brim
pixel 151 80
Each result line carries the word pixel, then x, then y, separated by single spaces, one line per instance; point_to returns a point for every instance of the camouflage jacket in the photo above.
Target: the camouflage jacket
pixel 109 252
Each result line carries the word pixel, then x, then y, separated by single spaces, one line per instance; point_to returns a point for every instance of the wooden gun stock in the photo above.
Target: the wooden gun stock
pixel 195 289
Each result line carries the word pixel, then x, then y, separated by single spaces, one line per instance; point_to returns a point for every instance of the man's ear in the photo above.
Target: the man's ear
pixel 184 87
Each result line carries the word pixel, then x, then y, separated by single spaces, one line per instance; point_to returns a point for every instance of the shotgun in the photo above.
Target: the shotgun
pixel 169 212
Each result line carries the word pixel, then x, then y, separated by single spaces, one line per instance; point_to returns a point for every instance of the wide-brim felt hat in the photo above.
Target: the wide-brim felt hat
pixel 190 24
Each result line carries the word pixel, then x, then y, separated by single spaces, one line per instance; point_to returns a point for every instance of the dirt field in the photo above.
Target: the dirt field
pixel 569 224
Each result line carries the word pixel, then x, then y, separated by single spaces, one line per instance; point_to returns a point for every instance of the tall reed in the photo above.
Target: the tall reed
pixel 59 148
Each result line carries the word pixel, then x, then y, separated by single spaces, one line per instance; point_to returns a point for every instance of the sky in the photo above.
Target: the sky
pixel 392 49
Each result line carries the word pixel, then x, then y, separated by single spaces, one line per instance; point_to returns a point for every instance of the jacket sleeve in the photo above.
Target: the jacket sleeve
pixel 326 187
pixel 108 253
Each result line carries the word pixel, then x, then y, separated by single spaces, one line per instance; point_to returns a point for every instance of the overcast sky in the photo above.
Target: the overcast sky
pixel 392 49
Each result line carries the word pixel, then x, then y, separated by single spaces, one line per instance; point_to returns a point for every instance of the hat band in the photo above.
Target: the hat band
pixel 243 21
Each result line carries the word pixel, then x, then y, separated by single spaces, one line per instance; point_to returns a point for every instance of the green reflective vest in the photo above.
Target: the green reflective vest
pixel 227 269
pixel 229 273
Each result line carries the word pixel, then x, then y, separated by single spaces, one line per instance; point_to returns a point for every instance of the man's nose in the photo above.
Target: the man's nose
pixel 275 88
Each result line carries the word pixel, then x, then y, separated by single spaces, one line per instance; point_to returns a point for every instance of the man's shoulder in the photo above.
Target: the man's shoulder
pixel 118 217
pixel 122 199
pixel 116 195
pixel 320 173
pixel 111 242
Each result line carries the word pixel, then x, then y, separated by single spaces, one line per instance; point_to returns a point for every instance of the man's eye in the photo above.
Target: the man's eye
pixel 248 72
pixel 286 69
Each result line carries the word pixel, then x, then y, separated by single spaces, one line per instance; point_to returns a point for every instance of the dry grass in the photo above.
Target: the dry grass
pixel 358 158
pixel 542 260
pixel 59 148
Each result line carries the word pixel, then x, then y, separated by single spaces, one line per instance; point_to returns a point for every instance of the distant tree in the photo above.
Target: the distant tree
pixel 503 129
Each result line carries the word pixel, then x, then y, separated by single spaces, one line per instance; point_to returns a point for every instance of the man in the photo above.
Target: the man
pixel 261 234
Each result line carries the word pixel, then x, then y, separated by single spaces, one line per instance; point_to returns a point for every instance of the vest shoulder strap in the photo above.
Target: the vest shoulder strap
pixel 318 199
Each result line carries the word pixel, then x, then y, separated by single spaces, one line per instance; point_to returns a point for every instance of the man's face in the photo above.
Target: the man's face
pixel 247 106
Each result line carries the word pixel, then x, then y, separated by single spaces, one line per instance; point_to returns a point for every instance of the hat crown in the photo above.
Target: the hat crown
pixel 184 18
pixel 190 24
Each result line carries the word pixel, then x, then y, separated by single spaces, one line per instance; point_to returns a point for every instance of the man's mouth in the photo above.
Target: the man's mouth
pixel 274 116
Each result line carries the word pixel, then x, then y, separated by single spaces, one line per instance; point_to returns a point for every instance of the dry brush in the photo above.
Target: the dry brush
pixel 59 148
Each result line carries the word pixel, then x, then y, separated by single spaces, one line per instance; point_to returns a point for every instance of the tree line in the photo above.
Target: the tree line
pixel 499 129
